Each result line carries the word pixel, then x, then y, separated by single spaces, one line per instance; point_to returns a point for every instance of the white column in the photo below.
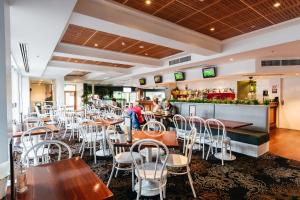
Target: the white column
pixel 59 90
pixel 79 93
pixel 5 81
pixel 25 95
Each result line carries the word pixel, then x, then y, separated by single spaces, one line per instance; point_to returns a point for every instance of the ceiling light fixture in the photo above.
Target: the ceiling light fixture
pixel 231 59
pixel 141 47
pixel 148 2
pixel 276 5
pixel 123 43
pixel 76 61
pixel 96 45
pixel 297 74
pixel 146 54
pixel 212 29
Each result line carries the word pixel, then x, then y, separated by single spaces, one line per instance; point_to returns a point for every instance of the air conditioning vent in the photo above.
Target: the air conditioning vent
pixel 24 53
pixel 180 60
pixel 266 63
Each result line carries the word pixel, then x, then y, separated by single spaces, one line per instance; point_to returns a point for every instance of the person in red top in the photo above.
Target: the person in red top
pixel 138 111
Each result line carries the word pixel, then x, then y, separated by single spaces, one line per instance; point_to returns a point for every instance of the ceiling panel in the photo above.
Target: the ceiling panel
pixel 174 11
pixel 77 34
pixel 196 21
pixel 111 42
pixel 91 62
pixel 238 14
pixel 216 25
pixel 78 73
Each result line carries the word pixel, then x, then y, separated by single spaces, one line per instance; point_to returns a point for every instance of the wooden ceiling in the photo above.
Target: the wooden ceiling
pixel 226 18
pixel 90 62
pixel 96 39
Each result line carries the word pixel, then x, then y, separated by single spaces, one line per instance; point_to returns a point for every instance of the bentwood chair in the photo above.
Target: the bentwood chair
pixel 219 139
pixel 149 117
pixel 45 148
pixel 183 161
pixel 28 140
pixel 151 175
pixel 180 124
pixel 202 135
pixel 122 159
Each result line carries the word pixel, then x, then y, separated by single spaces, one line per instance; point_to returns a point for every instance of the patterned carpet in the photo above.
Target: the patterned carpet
pixel 266 177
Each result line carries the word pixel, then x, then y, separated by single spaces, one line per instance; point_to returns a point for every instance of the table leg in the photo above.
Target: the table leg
pixel 105 151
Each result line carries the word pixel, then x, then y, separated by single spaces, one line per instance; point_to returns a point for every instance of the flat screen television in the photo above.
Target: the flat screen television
pixel 179 76
pixel 142 81
pixel 209 72
pixel 158 79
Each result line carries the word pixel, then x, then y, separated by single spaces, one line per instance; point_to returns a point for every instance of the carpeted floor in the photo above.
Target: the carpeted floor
pixel 266 177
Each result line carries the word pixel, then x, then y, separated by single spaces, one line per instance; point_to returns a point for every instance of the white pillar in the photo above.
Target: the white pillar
pixel 59 90
pixel 5 81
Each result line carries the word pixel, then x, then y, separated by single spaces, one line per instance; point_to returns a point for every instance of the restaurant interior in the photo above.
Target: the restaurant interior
pixel 149 99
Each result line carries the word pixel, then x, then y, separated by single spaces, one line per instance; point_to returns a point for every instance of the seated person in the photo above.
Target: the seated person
pixel 156 106
pixel 171 110
pixel 138 112
pixel 115 103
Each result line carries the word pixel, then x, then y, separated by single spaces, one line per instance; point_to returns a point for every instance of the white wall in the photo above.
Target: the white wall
pixel 5 81
pixel 25 95
pixel 290 112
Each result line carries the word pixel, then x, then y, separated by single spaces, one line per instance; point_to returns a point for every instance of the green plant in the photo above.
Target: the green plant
pixel 266 102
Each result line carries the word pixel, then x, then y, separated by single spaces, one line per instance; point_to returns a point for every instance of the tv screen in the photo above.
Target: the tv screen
pixel 142 81
pixel 209 72
pixel 127 89
pixel 179 76
pixel 158 79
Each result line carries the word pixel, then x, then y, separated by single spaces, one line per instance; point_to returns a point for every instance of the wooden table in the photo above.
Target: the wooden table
pixel 168 138
pixel 37 132
pixel 65 179
pixel 35 120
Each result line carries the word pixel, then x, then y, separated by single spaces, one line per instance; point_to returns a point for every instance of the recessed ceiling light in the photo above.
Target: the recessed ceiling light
pixel 141 46
pixel 212 29
pixel 276 5
pixel 123 43
pixel 231 59
pixel 297 74
pixel 96 45
pixel 76 61
pixel 146 54
pixel 148 2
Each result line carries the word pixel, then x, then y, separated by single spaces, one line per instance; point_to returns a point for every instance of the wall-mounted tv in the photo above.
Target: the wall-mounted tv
pixel 209 72
pixel 158 79
pixel 142 81
pixel 127 89
pixel 179 76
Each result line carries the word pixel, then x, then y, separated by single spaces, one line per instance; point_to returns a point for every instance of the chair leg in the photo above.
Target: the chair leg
pixel 132 177
pixel 83 147
pixel 222 146
pixel 160 193
pixel 94 148
pixel 117 170
pixel 65 133
pixel 208 151
pixel 139 189
pixel 191 182
pixel 111 174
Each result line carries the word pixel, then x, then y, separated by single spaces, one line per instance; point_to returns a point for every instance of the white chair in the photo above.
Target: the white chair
pixel 121 157
pixel 149 117
pixel 45 147
pixel 202 135
pixel 91 135
pixel 219 140
pixel 183 161
pixel 153 128
pixel 28 140
pixel 151 176
pixel 180 124
pixel 71 125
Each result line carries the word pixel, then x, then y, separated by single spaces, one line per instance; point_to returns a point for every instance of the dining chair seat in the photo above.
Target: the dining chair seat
pixel 177 160
pixel 126 158
pixel 145 152
pixel 90 137
pixel 40 152
pixel 149 171
pixel 219 139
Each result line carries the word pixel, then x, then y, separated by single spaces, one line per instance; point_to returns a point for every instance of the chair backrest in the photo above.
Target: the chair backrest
pixel 180 122
pixel 153 169
pixel 27 139
pixel 217 125
pixel 149 117
pixel 89 131
pixel 198 123
pixel 189 143
pixel 114 136
pixel 154 126
pixel 45 148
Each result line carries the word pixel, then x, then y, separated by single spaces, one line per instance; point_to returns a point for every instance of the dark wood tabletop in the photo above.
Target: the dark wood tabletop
pixel 229 124
pixel 168 138
pixel 34 120
pixel 37 132
pixel 65 179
